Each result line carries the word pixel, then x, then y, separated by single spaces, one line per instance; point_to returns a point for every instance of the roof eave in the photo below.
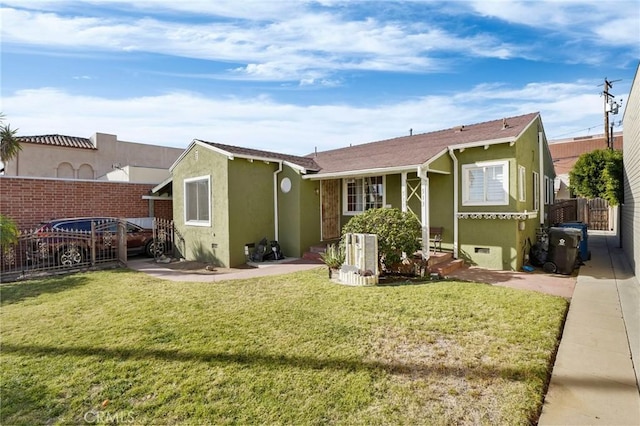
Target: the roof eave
pixel 231 156
pixel 186 150
pixel 497 141
pixel 161 185
pixel 476 144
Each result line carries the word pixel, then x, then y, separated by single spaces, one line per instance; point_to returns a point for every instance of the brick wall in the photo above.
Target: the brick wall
pixel 163 209
pixel 29 201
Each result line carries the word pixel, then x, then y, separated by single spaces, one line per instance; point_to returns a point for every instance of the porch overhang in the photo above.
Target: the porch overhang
pixel 355 173
pixel 163 187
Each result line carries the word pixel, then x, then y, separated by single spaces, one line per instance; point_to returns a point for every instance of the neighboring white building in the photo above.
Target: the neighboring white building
pixel 630 223
pixel 71 157
pixel 136 174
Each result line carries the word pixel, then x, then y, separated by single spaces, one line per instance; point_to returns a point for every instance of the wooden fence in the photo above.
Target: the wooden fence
pixel 595 213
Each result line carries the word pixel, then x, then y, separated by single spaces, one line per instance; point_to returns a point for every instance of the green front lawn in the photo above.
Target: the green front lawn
pixel 123 347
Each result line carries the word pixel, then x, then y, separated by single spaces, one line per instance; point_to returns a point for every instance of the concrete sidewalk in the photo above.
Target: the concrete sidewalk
pixel 162 271
pixel 593 379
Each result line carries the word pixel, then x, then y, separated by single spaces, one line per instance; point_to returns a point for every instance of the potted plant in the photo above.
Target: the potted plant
pixel 333 257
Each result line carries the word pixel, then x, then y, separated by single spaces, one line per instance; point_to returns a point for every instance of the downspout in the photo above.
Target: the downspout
pixel 542 189
pixel 275 201
pixel 455 203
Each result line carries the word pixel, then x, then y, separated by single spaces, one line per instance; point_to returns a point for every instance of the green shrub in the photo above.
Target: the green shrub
pixel 397 232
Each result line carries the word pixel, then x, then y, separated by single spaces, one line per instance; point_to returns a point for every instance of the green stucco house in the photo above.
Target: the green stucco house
pixel 488 185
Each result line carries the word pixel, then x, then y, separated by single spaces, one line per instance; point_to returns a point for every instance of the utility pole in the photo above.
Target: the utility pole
pixel 607 86
pixel 610 106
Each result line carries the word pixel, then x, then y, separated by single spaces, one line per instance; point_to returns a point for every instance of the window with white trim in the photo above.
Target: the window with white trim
pixel 485 184
pixel 522 187
pixel 536 191
pixel 197 201
pixel 360 194
pixel 550 190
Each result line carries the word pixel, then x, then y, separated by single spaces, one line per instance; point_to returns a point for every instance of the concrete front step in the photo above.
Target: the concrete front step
pixel 318 249
pixel 311 255
pixel 315 251
pixel 447 267
pixel 439 257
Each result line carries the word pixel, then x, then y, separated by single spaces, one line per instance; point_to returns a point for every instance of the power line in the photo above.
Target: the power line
pixel 576 131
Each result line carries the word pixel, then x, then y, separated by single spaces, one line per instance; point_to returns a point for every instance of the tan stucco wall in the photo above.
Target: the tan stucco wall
pixel 38 160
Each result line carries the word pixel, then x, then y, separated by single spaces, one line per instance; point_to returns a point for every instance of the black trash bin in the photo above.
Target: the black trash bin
pixel 563 250
pixel 584 252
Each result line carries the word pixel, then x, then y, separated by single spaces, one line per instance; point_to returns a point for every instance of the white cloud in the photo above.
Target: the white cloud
pixel 612 23
pixel 174 119
pixel 245 9
pixel 307 45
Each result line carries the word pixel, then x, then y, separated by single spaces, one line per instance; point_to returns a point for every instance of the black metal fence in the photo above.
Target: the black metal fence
pixel 46 250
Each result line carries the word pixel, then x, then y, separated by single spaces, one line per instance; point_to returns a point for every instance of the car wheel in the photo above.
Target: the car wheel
pixel 70 255
pixel 155 248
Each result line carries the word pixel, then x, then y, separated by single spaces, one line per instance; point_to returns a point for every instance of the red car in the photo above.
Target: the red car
pixel 67 242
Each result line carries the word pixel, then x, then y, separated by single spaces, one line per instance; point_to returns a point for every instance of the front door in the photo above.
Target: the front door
pixel 330 193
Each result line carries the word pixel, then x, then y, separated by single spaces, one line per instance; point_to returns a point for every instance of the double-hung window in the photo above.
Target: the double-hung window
pixel 522 187
pixel 548 190
pixel 536 191
pixel 360 194
pixel 197 201
pixel 485 184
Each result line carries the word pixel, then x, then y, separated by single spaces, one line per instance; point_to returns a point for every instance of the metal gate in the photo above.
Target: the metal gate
pixel 167 239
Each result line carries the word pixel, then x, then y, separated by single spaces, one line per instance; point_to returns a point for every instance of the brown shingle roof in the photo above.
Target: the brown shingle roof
pixel 580 145
pixel 416 149
pixel 391 153
pixel 565 153
pixel 58 140
pixel 304 162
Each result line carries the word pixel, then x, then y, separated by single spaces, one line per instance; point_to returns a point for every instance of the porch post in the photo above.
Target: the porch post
pixel 403 191
pixel 424 207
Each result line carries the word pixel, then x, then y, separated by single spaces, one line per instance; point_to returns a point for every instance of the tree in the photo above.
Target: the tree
pixel 9 145
pixel 598 174
pixel 8 232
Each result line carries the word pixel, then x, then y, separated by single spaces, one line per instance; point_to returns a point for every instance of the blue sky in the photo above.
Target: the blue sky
pixel 290 76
